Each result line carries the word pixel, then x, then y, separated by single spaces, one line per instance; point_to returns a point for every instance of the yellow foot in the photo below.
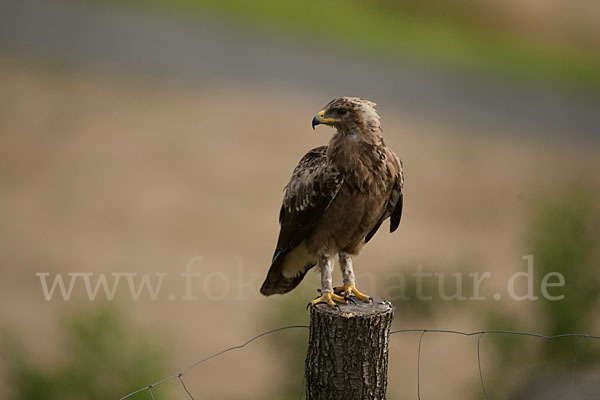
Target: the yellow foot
pixel 329 298
pixel 349 290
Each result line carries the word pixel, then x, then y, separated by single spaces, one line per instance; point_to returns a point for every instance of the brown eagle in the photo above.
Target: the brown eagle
pixel 336 200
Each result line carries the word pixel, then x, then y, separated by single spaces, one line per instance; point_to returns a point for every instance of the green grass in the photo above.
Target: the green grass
pixel 291 346
pixel 444 37
pixel 563 239
pixel 103 357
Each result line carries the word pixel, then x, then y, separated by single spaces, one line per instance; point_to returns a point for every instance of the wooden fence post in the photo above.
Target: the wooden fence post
pixel 348 351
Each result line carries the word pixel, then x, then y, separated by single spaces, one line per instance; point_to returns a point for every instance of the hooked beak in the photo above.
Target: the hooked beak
pixel 320 119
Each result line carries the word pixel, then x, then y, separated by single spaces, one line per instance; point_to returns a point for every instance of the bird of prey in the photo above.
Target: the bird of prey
pixel 336 200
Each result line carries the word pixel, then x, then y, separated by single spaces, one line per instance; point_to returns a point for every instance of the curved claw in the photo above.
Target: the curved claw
pixel 329 299
pixel 351 290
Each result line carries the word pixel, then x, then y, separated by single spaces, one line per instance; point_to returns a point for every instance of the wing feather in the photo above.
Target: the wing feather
pixel 393 209
pixel 312 187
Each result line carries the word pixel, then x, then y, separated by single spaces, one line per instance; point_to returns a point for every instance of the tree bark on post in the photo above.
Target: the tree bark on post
pixel 348 351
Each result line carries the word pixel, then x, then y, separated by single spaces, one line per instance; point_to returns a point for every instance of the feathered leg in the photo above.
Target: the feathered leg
pixel 349 287
pixel 327 295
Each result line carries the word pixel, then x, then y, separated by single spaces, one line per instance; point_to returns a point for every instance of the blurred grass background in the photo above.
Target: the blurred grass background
pixel 509 39
pixel 104 357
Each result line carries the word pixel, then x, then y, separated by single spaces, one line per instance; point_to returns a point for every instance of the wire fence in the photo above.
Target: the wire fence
pixel 480 334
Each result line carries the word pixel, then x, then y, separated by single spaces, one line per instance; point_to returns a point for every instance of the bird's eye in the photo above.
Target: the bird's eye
pixel 342 111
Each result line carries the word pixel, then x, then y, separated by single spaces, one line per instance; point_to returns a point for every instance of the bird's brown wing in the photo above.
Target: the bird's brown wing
pixel 393 209
pixel 312 187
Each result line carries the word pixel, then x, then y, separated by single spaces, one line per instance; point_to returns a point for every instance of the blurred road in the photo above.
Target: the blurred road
pixel 201 53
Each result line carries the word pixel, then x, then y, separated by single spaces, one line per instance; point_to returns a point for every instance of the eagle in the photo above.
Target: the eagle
pixel 336 200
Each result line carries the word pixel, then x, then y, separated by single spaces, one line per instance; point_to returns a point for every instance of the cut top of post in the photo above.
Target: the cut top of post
pixel 357 310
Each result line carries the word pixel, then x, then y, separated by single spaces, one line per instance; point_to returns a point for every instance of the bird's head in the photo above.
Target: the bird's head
pixel 348 115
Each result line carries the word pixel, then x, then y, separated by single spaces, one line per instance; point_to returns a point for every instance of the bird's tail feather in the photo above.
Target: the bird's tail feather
pixel 276 282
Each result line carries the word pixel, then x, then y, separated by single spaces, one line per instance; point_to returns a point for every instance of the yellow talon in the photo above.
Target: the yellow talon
pixel 329 298
pixel 349 290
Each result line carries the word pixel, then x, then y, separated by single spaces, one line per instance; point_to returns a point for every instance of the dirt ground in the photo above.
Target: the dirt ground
pixel 112 173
